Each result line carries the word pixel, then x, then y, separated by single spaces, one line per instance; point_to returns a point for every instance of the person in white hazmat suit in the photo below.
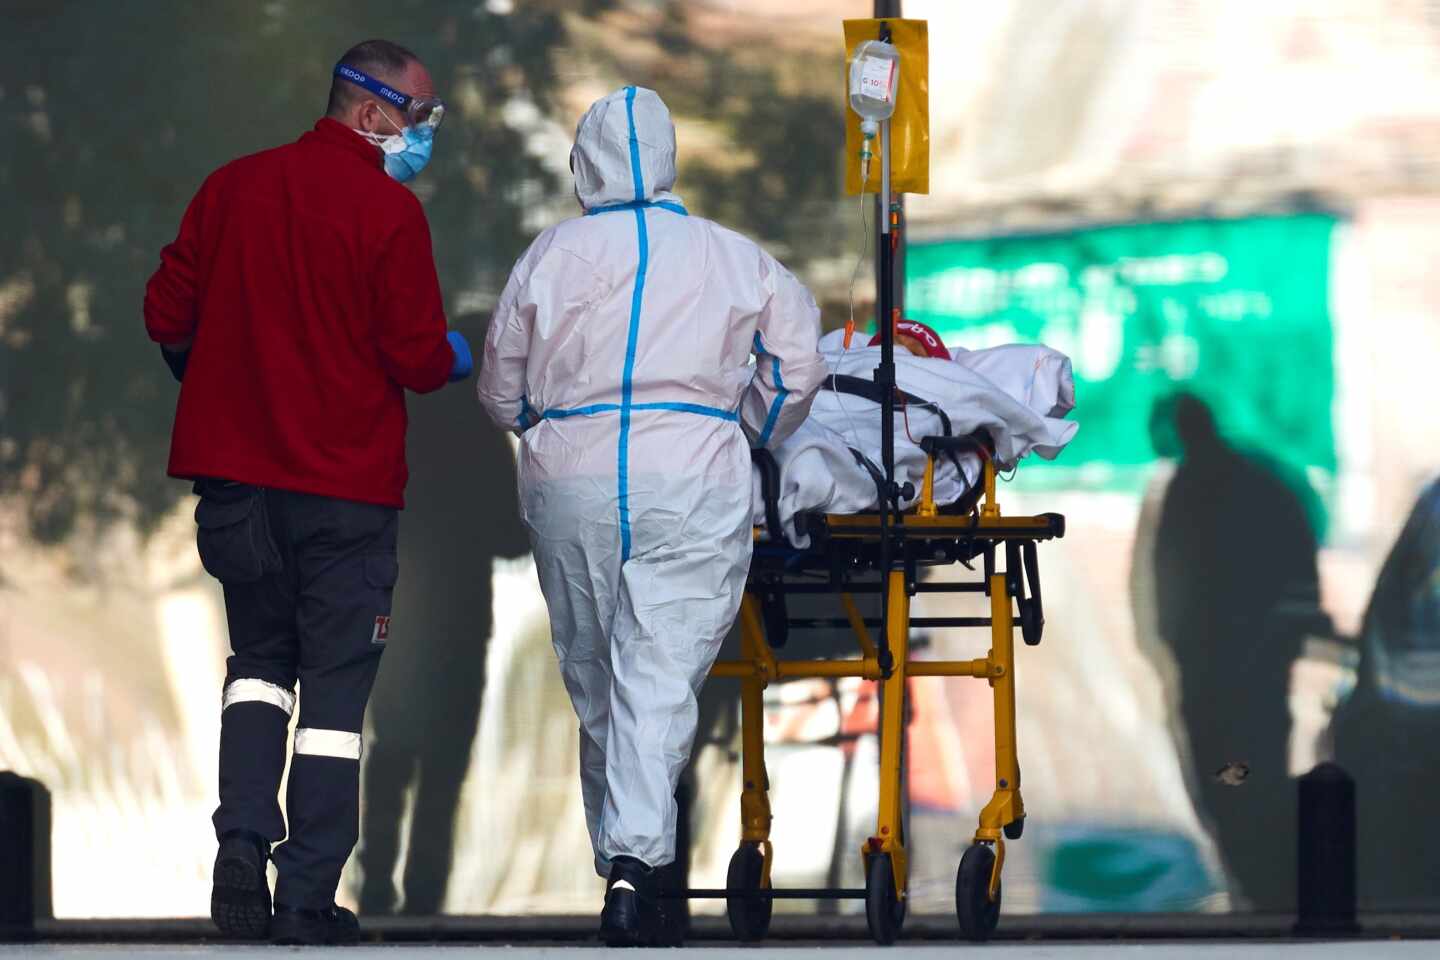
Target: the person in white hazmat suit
pixel 620 351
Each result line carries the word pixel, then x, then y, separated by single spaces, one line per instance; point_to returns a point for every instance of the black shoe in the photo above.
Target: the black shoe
pixel 332 926
pixel 627 896
pixel 633 915
pixel 240 897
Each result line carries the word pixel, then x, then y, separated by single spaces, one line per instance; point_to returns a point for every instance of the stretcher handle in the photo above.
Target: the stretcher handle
pixel 1023 562
pixel 769 468
pixel 978 442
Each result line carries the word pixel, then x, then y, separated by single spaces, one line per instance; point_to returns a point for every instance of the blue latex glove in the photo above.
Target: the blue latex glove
pixel 464 362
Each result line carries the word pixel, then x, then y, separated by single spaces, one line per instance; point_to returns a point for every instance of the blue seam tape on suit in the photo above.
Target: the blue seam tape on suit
pixel 780 395
pixel 627 385
pixel 696 408
pixel 526 412
pixel 637 300
pixel 592 409
pixel 670 205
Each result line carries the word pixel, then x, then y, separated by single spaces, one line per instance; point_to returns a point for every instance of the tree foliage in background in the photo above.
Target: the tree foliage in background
pixel 117 112
pixel 779 113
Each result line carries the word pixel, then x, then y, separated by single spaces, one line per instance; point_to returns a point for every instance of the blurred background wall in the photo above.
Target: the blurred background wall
pixel 1226 213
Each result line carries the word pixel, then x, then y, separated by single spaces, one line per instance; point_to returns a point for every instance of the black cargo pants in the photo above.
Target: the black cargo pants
pixel 308 583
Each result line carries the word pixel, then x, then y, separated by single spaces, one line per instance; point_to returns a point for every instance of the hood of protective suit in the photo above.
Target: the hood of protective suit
pixel 624 149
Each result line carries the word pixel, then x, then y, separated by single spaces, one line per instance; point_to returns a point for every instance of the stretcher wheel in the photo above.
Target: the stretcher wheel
pixel 749 916
pixel 884 910
pixel 978 916
pixel 1032 622
pixel 1015 829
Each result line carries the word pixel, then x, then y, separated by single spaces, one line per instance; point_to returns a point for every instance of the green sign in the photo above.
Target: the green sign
pixel 1233 311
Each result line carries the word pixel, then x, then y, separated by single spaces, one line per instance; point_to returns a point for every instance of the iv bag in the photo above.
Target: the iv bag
pixel 874 79
pixel 910 102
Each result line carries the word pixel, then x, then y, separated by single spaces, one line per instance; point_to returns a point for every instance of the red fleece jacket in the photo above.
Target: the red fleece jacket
pixel 305 277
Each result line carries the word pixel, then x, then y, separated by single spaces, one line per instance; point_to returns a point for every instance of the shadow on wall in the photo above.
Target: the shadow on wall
pixel 1385 734
pixel 462 513
pixel 1235 592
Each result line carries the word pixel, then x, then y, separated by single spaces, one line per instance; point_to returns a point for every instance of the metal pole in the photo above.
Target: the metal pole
pixel 890 9
pixel 887 304
pixel 885 377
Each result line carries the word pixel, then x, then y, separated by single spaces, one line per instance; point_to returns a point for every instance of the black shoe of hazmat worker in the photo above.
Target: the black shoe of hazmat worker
pixel 333 926
pixel 240 896
pixel 633 914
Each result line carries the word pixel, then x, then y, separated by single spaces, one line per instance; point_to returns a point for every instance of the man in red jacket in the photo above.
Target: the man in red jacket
pixel 296 306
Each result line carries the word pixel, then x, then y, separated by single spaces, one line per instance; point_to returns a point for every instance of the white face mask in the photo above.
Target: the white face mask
pixel 391 142
pixel 383 141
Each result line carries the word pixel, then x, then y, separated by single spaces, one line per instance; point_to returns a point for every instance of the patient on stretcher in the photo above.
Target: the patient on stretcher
pixel 1018 395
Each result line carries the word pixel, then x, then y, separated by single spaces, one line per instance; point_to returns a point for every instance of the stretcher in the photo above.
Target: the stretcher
pixel 875 553
pixel 1019 394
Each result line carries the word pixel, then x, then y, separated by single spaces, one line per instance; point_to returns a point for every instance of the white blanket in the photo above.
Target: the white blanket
pixel 1018 393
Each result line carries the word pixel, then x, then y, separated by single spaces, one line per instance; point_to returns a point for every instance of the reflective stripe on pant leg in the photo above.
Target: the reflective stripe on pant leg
pixel 249 690
pixel 258 699
pixel 252 756
pixel 340 744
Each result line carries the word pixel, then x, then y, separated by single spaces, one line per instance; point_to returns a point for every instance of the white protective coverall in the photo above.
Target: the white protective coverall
pixel 620 350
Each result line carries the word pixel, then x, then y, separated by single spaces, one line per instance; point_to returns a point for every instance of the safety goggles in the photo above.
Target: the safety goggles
pixel 419 111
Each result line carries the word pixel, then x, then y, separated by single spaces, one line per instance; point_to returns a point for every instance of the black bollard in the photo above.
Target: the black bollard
pixel 1326 853
pixel 24 856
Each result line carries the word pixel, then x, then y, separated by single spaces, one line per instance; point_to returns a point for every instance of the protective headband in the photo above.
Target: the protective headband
pixel 919 332
pixel 420 111
pixel 362 79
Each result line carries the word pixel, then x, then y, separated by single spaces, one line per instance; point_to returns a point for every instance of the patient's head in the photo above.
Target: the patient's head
pixel 917 338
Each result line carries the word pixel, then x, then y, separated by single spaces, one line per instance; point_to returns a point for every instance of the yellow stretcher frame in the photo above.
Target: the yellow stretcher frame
pixel 758 666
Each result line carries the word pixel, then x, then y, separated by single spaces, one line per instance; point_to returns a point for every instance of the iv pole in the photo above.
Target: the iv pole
pixel 889 237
